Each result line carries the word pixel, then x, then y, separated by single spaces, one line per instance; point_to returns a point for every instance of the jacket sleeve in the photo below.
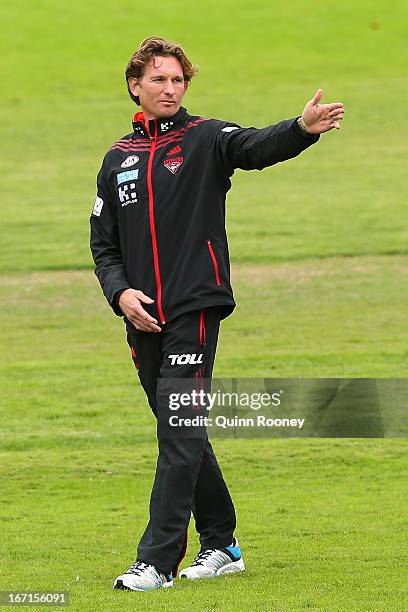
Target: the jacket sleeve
pixel 105 244
pixel 255 149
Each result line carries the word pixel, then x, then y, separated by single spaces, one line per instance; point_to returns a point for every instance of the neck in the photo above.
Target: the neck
pixel 148 116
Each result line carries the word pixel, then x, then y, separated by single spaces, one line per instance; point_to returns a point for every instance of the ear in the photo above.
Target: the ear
pixel 134 86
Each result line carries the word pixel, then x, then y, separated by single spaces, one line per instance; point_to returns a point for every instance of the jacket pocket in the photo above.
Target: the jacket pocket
pixel 215 262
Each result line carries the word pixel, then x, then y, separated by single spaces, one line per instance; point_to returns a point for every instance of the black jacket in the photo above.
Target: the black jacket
pixel 158 222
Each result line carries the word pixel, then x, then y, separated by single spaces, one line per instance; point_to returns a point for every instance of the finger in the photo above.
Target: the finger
pixel 333 106
pixel 152 328
pixel 144 316
pixel 139 311
pixel 143 325
pixel 318 96
pixel 144 298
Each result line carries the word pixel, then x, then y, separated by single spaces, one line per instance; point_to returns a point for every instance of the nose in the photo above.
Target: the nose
pixel 169 88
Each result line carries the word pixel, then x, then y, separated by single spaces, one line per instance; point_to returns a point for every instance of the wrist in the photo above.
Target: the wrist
pixel 302 126
pixel 118 297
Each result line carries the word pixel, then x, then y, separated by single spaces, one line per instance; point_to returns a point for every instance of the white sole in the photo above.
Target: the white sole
pixel 166 585
pixel 230 568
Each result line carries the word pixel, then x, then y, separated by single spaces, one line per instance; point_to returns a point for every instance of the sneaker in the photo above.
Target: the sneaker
pixel 213 562
pixel 142 577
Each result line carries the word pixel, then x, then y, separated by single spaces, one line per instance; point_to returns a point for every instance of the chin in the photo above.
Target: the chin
pixel 168 111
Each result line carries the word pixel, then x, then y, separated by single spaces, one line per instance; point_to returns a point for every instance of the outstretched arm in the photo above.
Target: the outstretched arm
pixel 251 148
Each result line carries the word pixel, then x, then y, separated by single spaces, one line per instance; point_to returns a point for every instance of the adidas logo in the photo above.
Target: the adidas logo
pixel 174 151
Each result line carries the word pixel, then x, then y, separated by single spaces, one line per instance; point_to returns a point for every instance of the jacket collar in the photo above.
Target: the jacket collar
pixel 163 125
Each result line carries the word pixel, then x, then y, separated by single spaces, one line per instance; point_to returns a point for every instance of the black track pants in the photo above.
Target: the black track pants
pixel 188 478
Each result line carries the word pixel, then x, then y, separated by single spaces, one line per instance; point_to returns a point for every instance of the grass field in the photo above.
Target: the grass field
pixel 319 250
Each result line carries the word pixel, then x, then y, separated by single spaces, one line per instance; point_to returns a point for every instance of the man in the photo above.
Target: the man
pixel 160 248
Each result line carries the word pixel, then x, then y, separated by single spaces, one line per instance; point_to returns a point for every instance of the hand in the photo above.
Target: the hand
pixel 319 118
pixel 130 302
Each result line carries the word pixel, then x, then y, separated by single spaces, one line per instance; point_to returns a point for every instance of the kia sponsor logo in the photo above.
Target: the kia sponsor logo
pixel 129 161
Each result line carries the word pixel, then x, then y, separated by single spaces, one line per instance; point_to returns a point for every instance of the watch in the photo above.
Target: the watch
pixel 302 126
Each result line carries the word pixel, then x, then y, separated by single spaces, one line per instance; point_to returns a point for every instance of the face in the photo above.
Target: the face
pixel 161 88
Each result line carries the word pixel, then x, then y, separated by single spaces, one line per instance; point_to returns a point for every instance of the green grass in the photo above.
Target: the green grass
pixel 321 522
pixel 64 103
pixel 320 273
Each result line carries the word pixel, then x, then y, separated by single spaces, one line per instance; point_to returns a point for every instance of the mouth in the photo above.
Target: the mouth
pixel 170 102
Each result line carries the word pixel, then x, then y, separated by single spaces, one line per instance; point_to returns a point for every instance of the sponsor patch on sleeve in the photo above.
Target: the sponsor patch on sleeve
pixel 230 128
pixel 97 209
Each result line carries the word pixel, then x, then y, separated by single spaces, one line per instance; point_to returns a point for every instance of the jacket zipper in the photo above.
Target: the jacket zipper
pixel 153 142
pixel 215 263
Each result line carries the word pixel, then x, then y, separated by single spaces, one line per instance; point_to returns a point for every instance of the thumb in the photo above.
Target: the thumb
pixel 318 96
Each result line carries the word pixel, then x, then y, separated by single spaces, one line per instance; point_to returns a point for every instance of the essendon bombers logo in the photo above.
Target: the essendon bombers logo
pixel 173 164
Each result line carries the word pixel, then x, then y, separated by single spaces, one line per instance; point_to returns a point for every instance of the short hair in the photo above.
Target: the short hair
pixel 152 47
